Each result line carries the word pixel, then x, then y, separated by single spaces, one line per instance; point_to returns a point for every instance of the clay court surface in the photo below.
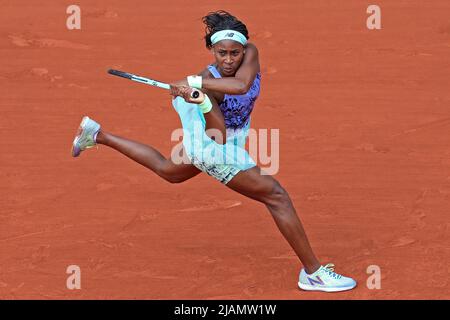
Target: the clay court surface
pixel 364 151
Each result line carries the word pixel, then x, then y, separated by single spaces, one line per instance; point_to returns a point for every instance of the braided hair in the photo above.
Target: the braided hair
pixel 221 20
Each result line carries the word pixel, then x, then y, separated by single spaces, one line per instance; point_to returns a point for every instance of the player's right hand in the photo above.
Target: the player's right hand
pixel 186 93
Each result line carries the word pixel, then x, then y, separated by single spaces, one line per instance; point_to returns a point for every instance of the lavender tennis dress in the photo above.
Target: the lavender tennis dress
pixel 222 162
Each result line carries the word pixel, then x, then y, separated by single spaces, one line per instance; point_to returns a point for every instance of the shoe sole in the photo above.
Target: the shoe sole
pixel 308 287
pixel 76 151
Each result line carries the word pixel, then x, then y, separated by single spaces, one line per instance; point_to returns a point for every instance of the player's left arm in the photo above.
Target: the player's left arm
pixel 242 80
pixel 244 77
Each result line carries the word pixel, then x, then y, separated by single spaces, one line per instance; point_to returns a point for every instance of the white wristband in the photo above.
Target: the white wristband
pixel 195 81
pixel 206 105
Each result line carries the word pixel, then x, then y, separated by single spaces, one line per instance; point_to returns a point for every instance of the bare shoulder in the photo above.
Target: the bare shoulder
pixel 251 46
pixel 252 55
pixel 205 74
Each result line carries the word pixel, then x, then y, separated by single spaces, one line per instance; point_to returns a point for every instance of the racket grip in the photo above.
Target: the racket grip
pixel 197 96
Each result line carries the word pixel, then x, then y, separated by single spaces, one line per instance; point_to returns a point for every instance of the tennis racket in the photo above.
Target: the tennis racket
pixel 195 93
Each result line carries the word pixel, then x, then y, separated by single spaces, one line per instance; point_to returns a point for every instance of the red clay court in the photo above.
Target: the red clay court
pixel 364 151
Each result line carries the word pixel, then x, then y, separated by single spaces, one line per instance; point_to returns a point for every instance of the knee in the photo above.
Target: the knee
pixel 169 176
pixel 174 179
pixel 277 196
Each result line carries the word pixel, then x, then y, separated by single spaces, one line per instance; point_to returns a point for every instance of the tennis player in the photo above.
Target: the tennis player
pixel 230 87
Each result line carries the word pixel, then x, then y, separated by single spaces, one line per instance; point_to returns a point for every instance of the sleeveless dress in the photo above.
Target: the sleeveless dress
pixel 236 109
pixel 222 162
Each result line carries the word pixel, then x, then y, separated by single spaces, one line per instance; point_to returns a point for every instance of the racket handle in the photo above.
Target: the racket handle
pixel 197 96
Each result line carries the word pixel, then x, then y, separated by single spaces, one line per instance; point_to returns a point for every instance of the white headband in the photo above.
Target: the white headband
pixel 228 35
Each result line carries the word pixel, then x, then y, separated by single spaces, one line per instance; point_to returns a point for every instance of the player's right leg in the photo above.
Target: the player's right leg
pixel 89 134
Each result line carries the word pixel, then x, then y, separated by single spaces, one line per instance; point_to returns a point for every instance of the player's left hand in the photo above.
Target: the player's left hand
pixel 177 87
pixel 178 90
pixel 182 82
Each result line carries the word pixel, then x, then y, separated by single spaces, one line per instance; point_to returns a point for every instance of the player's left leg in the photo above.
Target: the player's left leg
pixel 268 191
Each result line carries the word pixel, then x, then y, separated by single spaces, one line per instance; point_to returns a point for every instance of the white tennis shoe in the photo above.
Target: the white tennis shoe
pixel 325 279
pixel 85 137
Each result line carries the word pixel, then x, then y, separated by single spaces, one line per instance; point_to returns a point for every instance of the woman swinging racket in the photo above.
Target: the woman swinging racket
pixel 230 87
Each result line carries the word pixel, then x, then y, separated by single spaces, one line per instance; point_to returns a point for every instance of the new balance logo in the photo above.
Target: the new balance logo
pixel 230 34
pixel 314 282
